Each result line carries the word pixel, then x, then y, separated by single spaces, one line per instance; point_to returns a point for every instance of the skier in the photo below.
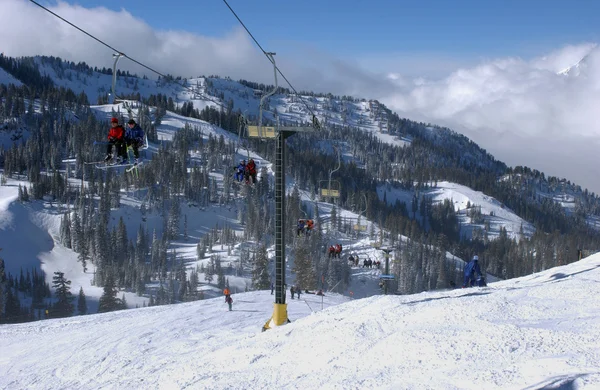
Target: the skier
pixel 251 171
pixel 292 291
pixel 134 137
pixel 309 226
pixel 116 138
pixel 229 301
pixel 301 226
pixel 471 269
pixel 240 171
pixel 337 250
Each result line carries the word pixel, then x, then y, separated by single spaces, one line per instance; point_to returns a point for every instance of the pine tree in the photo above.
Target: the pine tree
pixel 2 286
pixel 63 307
pixel 210 269
pixel 108 300
pixel 260 273
pixel 185 227
pixel 81 302
pixel 12 309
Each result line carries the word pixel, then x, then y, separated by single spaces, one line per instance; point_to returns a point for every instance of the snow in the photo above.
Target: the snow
pixel 7 78
pixel 535 331
pixel 493 211
pixel 538 331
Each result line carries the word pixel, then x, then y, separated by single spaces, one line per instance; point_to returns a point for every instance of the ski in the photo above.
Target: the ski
pixel 93 162
pixel 113 166
pixel 133 167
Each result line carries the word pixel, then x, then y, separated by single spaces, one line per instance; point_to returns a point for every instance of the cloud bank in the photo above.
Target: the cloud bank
pixel 542 113
pixel 523 111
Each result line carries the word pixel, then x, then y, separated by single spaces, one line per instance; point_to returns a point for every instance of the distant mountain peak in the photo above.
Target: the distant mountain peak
pixel 576 69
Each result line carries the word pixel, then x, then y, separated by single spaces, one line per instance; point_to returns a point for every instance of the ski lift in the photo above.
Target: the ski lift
pixel 126 105
pixel 332 191
pixel 358 227
pixel 261 131
pixel 329 189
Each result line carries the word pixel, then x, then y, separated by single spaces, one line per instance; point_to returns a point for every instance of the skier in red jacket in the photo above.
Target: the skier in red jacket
pixel 116 138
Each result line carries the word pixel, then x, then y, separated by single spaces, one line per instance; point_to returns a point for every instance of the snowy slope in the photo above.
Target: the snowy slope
pixel 6 78
pixel 539 331
pixel 494 212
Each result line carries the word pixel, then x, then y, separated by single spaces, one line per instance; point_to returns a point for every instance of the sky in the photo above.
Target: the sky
pixel 485 69
pixel 538 331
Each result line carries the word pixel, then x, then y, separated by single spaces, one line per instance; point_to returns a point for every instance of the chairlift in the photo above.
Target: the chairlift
pixel 126 105
pixel 358 227
pixel 330 189
pixel 305 226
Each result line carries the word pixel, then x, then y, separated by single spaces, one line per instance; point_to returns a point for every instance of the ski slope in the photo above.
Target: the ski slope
pixel 539 331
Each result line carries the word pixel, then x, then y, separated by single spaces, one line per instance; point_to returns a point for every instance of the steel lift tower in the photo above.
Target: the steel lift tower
pixel 279 134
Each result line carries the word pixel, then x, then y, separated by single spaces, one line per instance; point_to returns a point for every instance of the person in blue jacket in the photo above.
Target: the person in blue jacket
pixel 471 269
pixel 134 137
pixel 240 171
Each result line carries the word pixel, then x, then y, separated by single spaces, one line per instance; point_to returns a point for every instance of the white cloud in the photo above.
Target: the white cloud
pixel 520 110
pixel 26 29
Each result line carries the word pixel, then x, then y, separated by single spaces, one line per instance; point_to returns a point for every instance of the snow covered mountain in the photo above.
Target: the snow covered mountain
pixel 36 224
pixel 539 331
pixel 580 67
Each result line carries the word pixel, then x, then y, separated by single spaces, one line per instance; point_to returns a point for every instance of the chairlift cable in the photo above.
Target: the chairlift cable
pixel 314 117
pixel 130 58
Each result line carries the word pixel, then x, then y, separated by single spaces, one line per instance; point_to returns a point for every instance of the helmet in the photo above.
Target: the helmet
pixel 114 120
pixel 131 122
pixel 475 257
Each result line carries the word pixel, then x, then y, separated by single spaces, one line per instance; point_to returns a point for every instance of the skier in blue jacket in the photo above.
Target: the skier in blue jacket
pixel 134 136
pixel 471 269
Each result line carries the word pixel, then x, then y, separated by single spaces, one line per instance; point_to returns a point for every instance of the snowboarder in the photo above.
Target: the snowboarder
pixel 471 269
pixel 134 137
pixel 229 301
pixel 116 138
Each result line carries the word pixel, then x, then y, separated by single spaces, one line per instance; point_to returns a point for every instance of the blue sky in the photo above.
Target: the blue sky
pixel 348 28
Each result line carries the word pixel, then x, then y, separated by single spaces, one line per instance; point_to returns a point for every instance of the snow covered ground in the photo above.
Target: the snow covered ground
pixel 539 331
